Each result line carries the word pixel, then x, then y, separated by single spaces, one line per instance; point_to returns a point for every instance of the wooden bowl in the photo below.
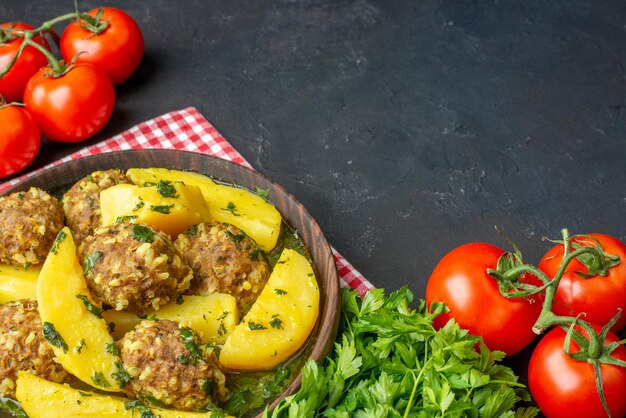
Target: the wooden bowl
pixel 323 335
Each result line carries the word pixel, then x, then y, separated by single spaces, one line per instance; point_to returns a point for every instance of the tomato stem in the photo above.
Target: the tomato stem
pixel 58 68
pixel 10 64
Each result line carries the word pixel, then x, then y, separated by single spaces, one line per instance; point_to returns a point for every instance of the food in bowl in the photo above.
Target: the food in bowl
pixel 247 255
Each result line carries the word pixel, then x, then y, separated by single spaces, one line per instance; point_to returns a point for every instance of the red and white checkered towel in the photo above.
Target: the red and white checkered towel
pixel 188 130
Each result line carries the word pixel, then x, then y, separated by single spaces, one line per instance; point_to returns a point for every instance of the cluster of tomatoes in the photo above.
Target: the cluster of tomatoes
pixel 561 378
pixel 68 99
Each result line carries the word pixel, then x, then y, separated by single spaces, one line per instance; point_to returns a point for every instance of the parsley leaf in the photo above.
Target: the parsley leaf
pixel 13 407
pixel 53 336
pixel 165 189
pixel 230 207
pixel 90 306
pixel 142 233
pixel 164 209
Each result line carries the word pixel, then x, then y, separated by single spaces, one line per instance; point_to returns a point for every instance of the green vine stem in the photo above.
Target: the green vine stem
pixel 57 66
pixel 94 24
pixel 593 349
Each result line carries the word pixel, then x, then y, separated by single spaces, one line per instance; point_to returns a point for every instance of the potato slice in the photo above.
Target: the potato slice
pixel 170 207
pixel 212 317
pixel 240 207
pixel 42 399
pixel 17 283
pixel 80 339
pixel 280 320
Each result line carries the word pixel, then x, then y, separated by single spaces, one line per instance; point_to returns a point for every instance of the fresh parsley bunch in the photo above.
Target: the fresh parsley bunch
pixel 389 361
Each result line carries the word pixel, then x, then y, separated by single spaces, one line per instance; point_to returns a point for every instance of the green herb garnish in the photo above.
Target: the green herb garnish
pixel 125 218
pixel 112 349
pixel 141 407
pixel 280 292
pixel 190 344
pixel 80 346
pixel 192 231
pixel 139 205
pixel 142 233
pixel 53 337
pixel 164 209
pixel 276 323
pixel 264 193
pixel 180 300
pixel 231 208
pixel 12 407
pixel 90 261
pixel 57 241
pixel 90 306
pixel 166 189
pixel 99 380
pixel 255 254
pixel 207 386
pixel 253 326
pixel 121 376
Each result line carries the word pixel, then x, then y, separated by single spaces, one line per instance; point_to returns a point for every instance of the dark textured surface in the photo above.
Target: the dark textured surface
pixel 405 127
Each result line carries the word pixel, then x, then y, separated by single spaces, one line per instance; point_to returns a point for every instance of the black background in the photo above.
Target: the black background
pixel 405 127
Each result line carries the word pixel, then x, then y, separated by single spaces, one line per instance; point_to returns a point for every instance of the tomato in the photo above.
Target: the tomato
pixel 599 297
pixel 563 387
pixel 28 63
pixel 460 280
pixel 117 50
pixel 19 139
pixel 71 107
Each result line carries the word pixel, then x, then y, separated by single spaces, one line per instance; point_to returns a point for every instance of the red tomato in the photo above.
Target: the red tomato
pixel 117 50
pixel 460 280
pixel 73 106
pixel 19 139
pixel 599 297
pixel 563 387
pixel 28 63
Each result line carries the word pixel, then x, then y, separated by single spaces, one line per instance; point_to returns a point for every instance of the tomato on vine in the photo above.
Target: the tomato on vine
pixel 596 290
pixel 29 61
pixel 564 387
pixel 110 40
pixel 71 105
pixel 461 281
pixel 19 139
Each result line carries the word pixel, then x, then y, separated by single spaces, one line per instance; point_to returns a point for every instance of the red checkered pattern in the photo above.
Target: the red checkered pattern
pixel 188 130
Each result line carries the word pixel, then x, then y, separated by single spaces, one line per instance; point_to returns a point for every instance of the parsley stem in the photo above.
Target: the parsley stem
pixel 409 405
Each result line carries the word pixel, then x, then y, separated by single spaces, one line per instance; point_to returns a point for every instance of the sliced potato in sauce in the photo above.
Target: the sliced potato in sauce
pixel 280 321
pixel 249 212
pixel 212 317
pixel 42 399
pixel 170 207
pixel 79 337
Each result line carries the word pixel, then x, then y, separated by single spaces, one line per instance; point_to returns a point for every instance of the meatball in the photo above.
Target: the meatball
pixel 81 203
pixel 29 223
pixel 224 259
pixel 23 346
pixel 133 267
pixel 166 362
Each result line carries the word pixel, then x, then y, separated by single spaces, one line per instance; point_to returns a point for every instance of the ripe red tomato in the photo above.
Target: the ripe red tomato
pixel 460 280
pixel 71 107
pixel 563 387
pixel 19 139
pixel 599 297
pixel 28 63
pixel 117 50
